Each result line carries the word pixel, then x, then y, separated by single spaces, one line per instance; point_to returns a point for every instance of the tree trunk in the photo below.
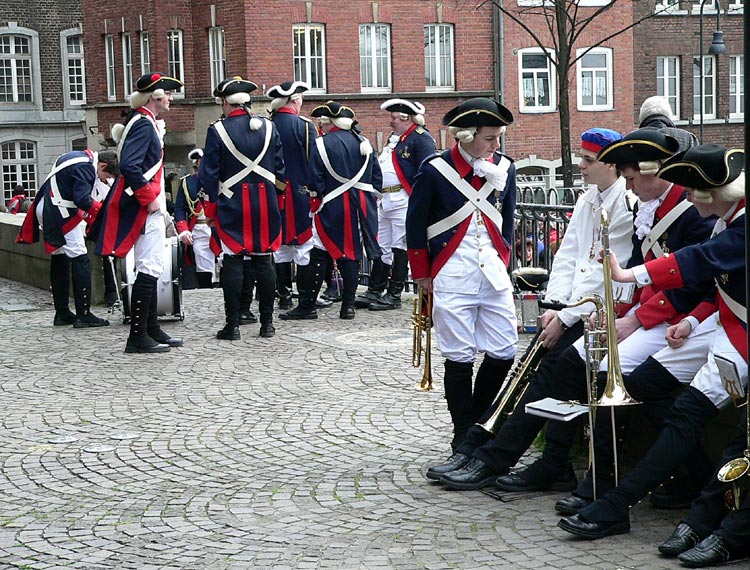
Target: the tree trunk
pixel 563 83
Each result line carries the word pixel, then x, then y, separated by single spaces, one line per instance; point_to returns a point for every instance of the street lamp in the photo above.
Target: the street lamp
pixel 717 47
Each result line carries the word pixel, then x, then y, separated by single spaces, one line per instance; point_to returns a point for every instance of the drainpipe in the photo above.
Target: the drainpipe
pixel 499 67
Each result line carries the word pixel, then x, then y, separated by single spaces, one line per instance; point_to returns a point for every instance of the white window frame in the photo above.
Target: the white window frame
pixel 551 83
pixel 144 41
pixel 709 80
pixel 127 64
pixel 19 63
pixel 217 55
pixel 608 71
pixel 176 59
pixel 16 170
pixel 435 62
pixel 73 68
pixel 736 79
pixel 668 83
pixel 666 7
pixel 304 59
pixel 375 66
pixel 109 62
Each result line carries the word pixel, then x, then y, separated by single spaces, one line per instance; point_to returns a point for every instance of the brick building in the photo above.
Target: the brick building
pixel 671 66
pixel 42 89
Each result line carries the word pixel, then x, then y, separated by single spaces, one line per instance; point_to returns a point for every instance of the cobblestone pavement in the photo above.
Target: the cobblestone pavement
pixel 303 451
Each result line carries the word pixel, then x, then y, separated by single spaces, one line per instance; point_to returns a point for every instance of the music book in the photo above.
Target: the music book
pixel 553 409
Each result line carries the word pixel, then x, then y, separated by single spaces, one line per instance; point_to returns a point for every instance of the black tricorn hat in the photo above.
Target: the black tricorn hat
pixel 478 112
pixel 704 166
pixel 332 110
pixel 153 81
pixel 403 106
pixel 640 145
pixel 287 89
pixel 234 85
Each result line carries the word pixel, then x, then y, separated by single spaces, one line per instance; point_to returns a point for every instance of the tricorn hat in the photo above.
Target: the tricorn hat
pixel 478 112
pixel 403 106
pixel 287 89
pixel 332 110
pixel 641 145
pixel 704 166
pixel 152 81
pixel 235 86
pixel 195 155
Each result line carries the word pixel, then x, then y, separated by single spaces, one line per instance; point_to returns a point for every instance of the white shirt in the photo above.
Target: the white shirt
pixel 391 200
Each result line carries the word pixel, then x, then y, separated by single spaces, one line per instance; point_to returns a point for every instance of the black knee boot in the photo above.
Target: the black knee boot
pixel 152 323
pixel 81 271
pixel 392 299
pixel 349 269
pixel 205 279
pixel 265 278
pixel 110 280
pixel 376 284
pixel 309 281
pixel 284 284
pixel 490 377
pixel 457 381
pixel 232 285
pixel 59 277
pixel 246 296
pixel 140 303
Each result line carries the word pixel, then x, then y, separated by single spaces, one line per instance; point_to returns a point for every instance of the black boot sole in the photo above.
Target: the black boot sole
pixel 147 349
pixel 471 486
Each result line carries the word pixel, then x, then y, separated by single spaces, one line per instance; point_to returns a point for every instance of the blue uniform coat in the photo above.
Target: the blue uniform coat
pixel 415 145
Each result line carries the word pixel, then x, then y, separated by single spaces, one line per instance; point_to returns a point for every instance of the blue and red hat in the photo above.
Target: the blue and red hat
pixel 596 139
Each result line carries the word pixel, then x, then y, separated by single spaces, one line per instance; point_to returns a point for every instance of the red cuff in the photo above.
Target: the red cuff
pixel 419 260
pixel 147 194
pixel 181 226
pixel 210 209
pixel 94 209
pixel 656 310
pixel 665 273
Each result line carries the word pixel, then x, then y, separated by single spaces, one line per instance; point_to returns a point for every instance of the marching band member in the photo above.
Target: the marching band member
pixel 575 274
pixel 408 145
pixel 298 136
pixel 459 227
pixel 134 211
pixel 192 225
pixel 62 207
pixel 716 186
pixel 344 181
pixel 242 172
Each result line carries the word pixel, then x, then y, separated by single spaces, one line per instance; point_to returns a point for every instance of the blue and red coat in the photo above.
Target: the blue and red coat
pixel 298 136
pixel 247 217
pixel 689 228
pixel 74 184
pixel 721 258
pixel 15 203
pixel 189 188
pixel 415 145
pixel 125 208
pixel 347 222
pixel 434 198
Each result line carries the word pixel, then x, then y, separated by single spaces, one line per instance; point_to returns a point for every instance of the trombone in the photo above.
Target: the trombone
pixel 421 317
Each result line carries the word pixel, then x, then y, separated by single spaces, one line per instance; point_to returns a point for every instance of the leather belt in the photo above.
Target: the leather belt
pixel 201 222
pixel 390 189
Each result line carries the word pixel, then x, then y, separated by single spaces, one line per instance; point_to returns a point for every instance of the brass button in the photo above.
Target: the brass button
pixel 416 253
pixel 672 271
pixel 661 301
pixel 444 244
pixel 481 265
pixel 718 323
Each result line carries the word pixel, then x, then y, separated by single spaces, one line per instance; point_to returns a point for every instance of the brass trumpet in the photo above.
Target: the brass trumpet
pixel 421 317
pixel 737 471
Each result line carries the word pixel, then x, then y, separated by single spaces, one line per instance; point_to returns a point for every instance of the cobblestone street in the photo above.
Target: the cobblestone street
pixel 307 450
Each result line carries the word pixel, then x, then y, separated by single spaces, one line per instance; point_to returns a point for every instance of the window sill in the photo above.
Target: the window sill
pixel 532 111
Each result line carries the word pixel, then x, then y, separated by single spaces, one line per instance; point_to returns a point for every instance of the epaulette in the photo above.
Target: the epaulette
pixel 305 119
pixel 420 130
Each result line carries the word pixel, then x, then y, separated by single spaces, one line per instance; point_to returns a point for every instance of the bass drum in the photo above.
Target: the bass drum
pixel 168 287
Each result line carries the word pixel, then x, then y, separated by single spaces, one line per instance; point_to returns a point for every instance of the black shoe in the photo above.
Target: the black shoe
pixel 571 505
pixel 247 318
pixel 330 294
pixel 661 498
pixel 363 301
pixel 286 302
pixel 387 302
pixel 229 332
pixel 89 320
pixel 455 462
pixel 322 303
pixel 520 482
pixel 347 313
pixel 64 319
pixel 682 539
pixel 476 474
pixel 163 338
pixel 711 551
pixel 593 530
pixel 299 315
pixel 144 345
pixel 267 330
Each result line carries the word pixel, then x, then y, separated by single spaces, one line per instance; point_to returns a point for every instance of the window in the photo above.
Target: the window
pixel 595 80
pixel 536 83
pixel 309 55
pixel 127 66
pixel 217 54
pixel 175 59
pixel 668 81
pixel 109 57
pixel 73 69
pixel 375 57
pixel 18 163
pixel 667 6
pixel 15 69
pixel 708 110
pixel 736 87
pixel 145 53
pixel 438 57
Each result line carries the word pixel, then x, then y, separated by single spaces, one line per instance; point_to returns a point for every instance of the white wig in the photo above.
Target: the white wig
pixel 649 166
pixel 731 192
pixel 141 98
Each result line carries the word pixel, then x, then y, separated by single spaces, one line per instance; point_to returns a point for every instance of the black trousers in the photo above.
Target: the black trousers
pixel 519 430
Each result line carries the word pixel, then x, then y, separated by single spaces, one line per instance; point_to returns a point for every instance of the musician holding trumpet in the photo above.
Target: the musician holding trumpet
pixel 459 227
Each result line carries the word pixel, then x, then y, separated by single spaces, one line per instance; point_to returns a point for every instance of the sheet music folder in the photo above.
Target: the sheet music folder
pixel 553 409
